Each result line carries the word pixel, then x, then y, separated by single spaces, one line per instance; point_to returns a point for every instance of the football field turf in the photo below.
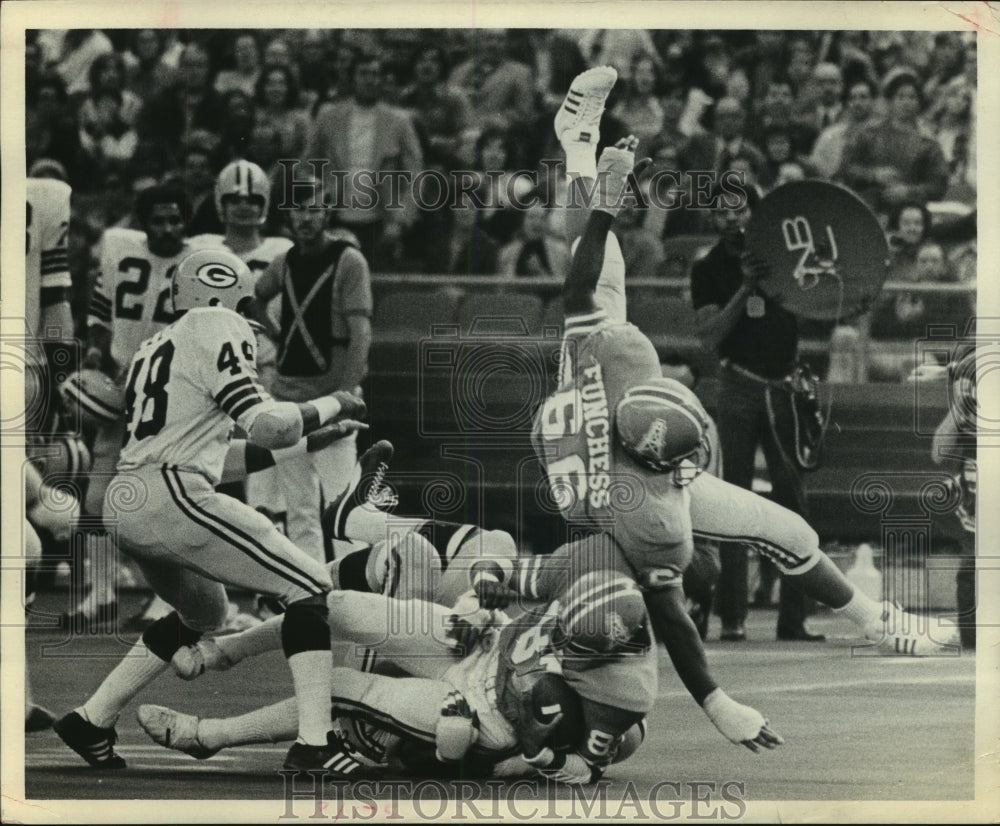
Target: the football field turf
pixel 856 727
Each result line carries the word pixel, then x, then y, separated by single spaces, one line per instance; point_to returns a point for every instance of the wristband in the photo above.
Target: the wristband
pixel 327 406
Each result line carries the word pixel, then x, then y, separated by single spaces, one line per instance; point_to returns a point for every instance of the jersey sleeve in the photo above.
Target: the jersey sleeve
pixel 230 369
pixel 355 287
pixel 99 309
pixel 54 241
pixel 546 577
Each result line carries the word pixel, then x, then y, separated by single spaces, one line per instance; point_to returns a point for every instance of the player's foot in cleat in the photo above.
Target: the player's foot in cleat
pixel 898 632
pixel 173 730
pixel 337 757
pixel 579 116
pixel 93 744
pixel 366 487
pixel 38 719
pixel 191 661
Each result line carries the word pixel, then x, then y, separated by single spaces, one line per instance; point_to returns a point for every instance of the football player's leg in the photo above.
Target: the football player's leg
pixel 334 465
pixel 300 481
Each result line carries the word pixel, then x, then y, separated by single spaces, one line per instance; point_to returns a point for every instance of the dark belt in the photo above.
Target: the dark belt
pixel 749 374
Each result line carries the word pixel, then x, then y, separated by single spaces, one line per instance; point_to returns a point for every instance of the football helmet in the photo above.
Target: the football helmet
pixel 602 614
pixel 64 455
pixel 663 426
pixel 212 278
pixel 94 395
pixel 246 179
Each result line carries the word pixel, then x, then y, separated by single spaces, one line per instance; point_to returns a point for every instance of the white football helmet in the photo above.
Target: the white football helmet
pixel 93 395
pixel 247 179
pixel 212 278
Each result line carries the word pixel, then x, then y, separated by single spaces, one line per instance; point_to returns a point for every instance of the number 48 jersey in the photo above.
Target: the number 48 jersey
pixel 132 295
pixel 185 388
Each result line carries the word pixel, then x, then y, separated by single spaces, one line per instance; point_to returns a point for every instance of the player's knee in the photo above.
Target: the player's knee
pixel 406 567
pixel 797 549
pixel 305 627
pixel 165 636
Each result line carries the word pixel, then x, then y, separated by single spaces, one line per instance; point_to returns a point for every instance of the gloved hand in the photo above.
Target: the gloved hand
pixel 492 593
pixel 351 406
pixel 330 433
pixel 739 723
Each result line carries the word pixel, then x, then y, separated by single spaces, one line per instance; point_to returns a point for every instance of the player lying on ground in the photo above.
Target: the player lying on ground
pixel 507 694
pixel 614 466
pixel 186 387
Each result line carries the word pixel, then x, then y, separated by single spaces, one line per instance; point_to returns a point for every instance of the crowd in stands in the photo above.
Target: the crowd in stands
pixel 889 114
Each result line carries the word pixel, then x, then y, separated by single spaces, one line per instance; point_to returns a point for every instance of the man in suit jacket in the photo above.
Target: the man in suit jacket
pixel 362 137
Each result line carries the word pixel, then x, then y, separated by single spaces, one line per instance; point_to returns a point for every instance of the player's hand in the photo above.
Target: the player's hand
pixel 461 635
pixel 739 723
pixel 330 433
pixel 351 406
pixel 491 592
pixel 754 269
pixel 457 729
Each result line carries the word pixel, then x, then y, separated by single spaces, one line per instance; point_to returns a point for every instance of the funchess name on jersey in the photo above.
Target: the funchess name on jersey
pixel 597 427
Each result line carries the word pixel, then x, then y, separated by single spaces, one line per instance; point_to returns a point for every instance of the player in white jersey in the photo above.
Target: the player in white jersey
pixel 46 268
pixel 129 303
pixel 242 200
pixel 186 387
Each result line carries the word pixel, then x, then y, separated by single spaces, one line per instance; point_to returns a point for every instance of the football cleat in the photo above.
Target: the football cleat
pixel 366 487
pixel 337 757
pixel 173 730
pixel 191 661
pixel 38 719
pixel 93 744
pixel 579 116
pixel 897 632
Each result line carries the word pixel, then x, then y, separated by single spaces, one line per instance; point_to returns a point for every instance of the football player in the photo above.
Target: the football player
pixel 242 200
pixel 505 695
pixel 46 267
pixel 129 303
pixel 623 448
pixel 185 388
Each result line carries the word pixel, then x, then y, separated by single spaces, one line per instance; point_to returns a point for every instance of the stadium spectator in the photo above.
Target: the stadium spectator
pixel 779 156
pixel 726 140
pixel 761 60
pixel 147 72
pixel 909 225
pixel 555 59
pixel 536 250
pixel 197 174
pixel 952 126
pixel 757 343
pixel 496 87
pixel 894 161
pixel 440 113
pixel 640 109
pixel 237 130
pixel 616 47
pixel 824 100
pixel 281 128
pixel 246 71
pixel 69 53
pixel 801 61
pixel 107 118
pixel 315 72
pixel 470 250
pixel 362 136
pixel 498 214
pixel 192 103
pixel 947 62
pixel 277 52
pixel 50 129
pixel 828 150
pixel 673 98
pixel 777 109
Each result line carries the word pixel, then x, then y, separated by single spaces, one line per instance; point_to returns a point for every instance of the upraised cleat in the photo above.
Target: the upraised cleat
pixel 93 744
pixel 173 730
pixel 366 488
pixel 191 661
pixel 579 116
pixel 898 633
pixel 38 718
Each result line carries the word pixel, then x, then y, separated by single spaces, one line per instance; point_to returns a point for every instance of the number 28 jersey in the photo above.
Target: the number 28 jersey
pixel 132 295
pixel 573 433
pixel 185 388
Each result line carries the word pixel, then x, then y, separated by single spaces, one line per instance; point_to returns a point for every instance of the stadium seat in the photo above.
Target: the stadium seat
pixel 680 252
pixel 414 311
pixel 501 314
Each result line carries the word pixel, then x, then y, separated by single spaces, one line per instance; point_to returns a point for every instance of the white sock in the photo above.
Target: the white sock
pixel 104 568
pixel 136 670
pixel 253 641
pixel 861 610
pixel 581 159
pixel 157 609
pixel 312 674
pixel 270 724
pixel 370 525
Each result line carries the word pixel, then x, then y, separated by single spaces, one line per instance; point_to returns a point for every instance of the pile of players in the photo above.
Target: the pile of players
pixel 452 653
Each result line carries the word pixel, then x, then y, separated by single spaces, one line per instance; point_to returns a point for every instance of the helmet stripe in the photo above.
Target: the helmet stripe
pixel 582 603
